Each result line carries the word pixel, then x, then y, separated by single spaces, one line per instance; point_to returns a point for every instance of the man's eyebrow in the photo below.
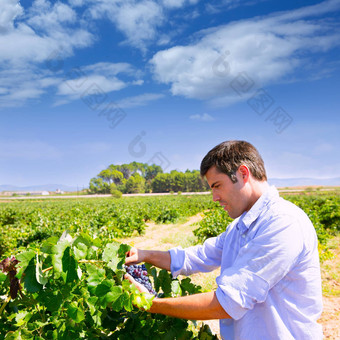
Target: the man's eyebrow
pixel 214 184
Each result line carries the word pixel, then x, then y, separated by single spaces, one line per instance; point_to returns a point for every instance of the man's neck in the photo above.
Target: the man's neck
pixel 257 189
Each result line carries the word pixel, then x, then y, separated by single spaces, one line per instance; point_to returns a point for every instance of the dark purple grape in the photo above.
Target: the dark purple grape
pixel 140 274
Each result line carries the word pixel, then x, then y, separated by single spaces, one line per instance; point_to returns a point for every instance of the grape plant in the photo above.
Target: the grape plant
pixel 26 223
pixel 74 288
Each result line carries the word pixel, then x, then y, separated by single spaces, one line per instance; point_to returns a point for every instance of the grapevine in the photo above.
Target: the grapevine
pixel 74 288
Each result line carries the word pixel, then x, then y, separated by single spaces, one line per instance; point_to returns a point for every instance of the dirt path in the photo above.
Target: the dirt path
pixel 166 236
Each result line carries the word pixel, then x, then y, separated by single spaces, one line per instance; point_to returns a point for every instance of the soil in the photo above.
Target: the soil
pixel 160 237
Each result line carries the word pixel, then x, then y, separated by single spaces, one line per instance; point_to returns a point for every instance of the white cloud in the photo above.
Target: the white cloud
pixel 33 41
pixel 9 10
pixel 111 69
pixel 178 3
pixel 81 86
pixel 47 17
pixel 205 117
pixel 23 84
pixel 137 20
pixel 28 83
pixel 140 100
pixel 265 49
pixel 97 79
pixel 46 29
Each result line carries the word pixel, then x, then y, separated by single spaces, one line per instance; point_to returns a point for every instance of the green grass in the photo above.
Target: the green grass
pixel 331 269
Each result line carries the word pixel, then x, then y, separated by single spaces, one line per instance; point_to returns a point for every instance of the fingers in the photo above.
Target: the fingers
pixel 129 278
pixel 132 257
pixel 139 286
pixel 131 260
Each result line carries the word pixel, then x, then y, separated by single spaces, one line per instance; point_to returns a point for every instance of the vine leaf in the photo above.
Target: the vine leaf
pixel 95 275
pixel 165 282
pixel 110 256
pixel 24 259
pixel 39 273
pixel 75 313
pixel 58 251
pixel 30 279
pixel 69 266
pixel 176 288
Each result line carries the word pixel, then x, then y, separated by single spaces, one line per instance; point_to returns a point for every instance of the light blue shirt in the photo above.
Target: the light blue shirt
pixel 270 282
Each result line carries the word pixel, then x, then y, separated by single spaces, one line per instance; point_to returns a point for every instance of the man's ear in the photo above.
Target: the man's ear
pixel 244 172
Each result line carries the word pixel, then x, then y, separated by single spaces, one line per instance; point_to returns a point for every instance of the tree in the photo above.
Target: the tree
pixel 111 176
pixel 152 171
pixel 135 184
pixel 98 186
pixel 140 177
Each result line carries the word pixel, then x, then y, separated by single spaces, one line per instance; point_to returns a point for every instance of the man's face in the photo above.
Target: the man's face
pixel 232 196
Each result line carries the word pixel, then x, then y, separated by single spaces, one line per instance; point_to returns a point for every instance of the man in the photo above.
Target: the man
pixel 270 284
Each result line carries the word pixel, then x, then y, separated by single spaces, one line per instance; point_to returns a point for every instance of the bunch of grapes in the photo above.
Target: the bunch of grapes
pixel 140 274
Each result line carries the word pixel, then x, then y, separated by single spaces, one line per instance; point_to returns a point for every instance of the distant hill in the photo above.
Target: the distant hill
pixel 44 187
pixel 294 182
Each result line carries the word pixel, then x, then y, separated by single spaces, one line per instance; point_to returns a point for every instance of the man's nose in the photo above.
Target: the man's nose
pixel 216 197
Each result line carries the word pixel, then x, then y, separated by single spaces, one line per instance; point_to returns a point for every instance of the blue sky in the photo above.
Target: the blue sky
pixel 88 83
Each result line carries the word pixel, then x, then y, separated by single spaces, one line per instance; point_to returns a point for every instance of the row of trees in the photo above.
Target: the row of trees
pixel 141 177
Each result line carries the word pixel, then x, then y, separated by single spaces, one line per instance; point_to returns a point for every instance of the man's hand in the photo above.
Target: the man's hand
pixel 158 258
pixel 134 256
pixel 139 286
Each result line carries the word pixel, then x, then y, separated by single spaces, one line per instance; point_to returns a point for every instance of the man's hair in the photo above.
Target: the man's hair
pixel 230 155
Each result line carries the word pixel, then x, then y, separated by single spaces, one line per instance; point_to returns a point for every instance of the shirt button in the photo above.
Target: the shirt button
pixel 243 235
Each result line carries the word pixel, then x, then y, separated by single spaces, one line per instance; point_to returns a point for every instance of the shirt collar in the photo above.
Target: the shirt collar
pixel 248 217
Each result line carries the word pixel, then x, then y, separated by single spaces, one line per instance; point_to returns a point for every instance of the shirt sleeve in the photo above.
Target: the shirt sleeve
pixel 260 264
pixel 200 258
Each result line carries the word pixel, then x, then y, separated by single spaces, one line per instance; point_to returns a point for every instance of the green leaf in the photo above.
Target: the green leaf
pixel 110 251
pixel 188 286
pixel 165 281
pixel 126 301
pixel 39 274
pixel 114 263
pixel 103 288
pixel 143 300
pixel 123 249
pixel 175 288
pixel 108 293
pixel 58 251
pixel 111 256
pixel 114 297
pixel 52 300
pixel 24 259
pixel 157 283
pixel 22 318
pixel 2 277
pixel 97 242
pixel 91 302
pixel 30 279
pixel 75 312
pixel 84 239
pixel 13 335
pixel 69 266
pixel 47 246
pixel 95 274
pixel 80 251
